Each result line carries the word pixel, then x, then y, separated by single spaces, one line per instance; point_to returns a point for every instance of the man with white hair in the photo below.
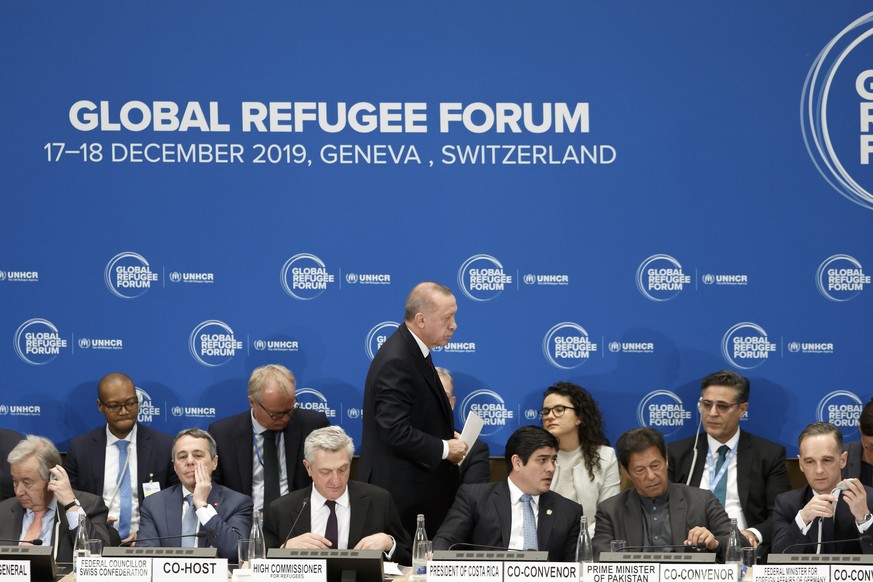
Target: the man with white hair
pixel 341 514
pixel 45 506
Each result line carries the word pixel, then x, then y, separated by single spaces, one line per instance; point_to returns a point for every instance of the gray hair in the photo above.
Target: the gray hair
pixel 197 433
pixel 282 376
pixel 44 450
pixel 421 299
pixel 328 438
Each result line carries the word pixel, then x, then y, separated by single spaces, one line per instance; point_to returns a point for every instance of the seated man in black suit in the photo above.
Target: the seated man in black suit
pixel 262 448
pixel 349 514
pixel 655 514
pixel 8 440
pixel 754 468
pixel 123 460
pixel 223 515
pixel 45 504
pixel 811 519
pixel 519 512
pixel 476 466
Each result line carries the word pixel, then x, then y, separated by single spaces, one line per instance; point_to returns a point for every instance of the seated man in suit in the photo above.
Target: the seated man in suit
pixel 223 515
pixel 45 504
pixel 655 514
pixel 744 471
pixel 8 440
pixel 519 512
pixel 262 447
pixel 812 519
pixel 859 462
pixel 476 466
pixel 123 460
pixel 349 514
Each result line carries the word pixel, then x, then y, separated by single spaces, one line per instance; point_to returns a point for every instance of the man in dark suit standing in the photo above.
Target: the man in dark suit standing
pixel 8 440
pixel 519 512
pixel 656 513
pixel 476 467
pixel 817 518
pixel 45 506
pixel 262 448
pixel 409 445
pixel 122 461
pixel 744 471
pixel 175 516
pixel 340 514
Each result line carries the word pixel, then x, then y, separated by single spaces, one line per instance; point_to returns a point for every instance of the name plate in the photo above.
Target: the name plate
pixel 768 573
pixel 463 570
pixel 99 569
pixel 14 570
pixel 289 569
pixel 540 571
pixel 190 569
pixel 699 572
pixel 621 572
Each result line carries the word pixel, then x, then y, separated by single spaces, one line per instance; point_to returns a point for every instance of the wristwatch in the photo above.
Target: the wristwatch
pixel 71 504
pixel 867 517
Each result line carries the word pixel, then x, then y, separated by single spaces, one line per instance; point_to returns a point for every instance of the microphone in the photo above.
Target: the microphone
pixel 296 519
pixel 864 539
pixel 699 547
pixel 199 534
pixel 463 545
pixel 34 542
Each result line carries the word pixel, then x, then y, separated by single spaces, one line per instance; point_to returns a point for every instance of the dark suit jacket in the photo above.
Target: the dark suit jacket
pixel 12 514
pixel 161 515
pixel 233 435
pixel 786 532
pixel 8 440
pixel 476 467
pixel 761 476
pixel 406 417
pixel 621 518
pixel 372 511
pixel 482 515
pixel 86 460
pixel 854 461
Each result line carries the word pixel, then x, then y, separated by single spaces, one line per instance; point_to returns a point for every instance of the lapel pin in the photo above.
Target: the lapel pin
pixel 548 512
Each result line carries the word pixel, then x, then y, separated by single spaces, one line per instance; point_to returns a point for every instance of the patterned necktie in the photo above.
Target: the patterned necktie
pixel 529 525
pixel 271 468
pixel 35 529
pixel 331 531
pixel 189 524
pixel 125 495
pixel 720 490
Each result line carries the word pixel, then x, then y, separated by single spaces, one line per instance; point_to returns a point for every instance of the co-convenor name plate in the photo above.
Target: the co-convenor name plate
pixel 790 573
pixel 306 570
pixel 540 571
pixel 621 572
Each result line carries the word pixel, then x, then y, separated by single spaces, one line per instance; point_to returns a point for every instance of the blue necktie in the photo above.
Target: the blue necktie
pixel 720 490
pixel 189 524
pixel 125 495
pixel 529 525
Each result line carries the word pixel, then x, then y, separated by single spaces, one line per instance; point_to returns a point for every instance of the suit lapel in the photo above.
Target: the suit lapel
pixel 544 520
pixel 173 511
pixel 143 459
pixel 427 372
pixel 702 458
pixel 636 527
pixel 678 516
pixel 244 448
pixel 745 452
pixel 503 511
pixel 360 509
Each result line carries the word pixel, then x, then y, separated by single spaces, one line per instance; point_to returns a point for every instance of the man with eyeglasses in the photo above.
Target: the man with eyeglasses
pixel 262 448
pixel 744 471
pixel 123 461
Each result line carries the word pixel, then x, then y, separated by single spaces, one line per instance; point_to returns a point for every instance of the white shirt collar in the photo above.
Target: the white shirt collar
pixel 318 499
pixel 731 443
pixel 515 493
pixel 421 345
pixel 111 439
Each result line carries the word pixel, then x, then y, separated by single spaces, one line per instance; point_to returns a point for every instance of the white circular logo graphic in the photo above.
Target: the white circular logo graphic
pixel 708 279
pixel 4 410
pixel 663 410
pixel 37 341
pixel 529 279
pixel 312 399
pixel 836 110
pixel 490 407
pixel 176 411
pixel 351 278
pixel 377 336
pixel 614 347
pixel 794 347
pixel 128 275
pixel 212 343
pixel 841 278
pixel 481 278
pixel 660 278
pixel 260 345
pixel 566 345
pixel 304 277
pixel 841 408
pixel 147 409
pixel 84 343
pixel 175 276
pixel 353 413
pixel 746 346
pixel 2 275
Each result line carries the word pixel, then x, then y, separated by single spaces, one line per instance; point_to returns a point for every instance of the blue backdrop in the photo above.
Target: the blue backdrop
pixel 626 195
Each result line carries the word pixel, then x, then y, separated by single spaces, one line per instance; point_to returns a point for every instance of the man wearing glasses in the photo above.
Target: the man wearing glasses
pixel 123 461
pixel 744 471
pixel 262 448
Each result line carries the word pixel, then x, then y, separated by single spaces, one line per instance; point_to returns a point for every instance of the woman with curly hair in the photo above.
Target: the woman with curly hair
pixel 587 469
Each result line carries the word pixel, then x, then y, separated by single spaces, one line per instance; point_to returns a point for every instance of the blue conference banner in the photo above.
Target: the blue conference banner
pixel 627 195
